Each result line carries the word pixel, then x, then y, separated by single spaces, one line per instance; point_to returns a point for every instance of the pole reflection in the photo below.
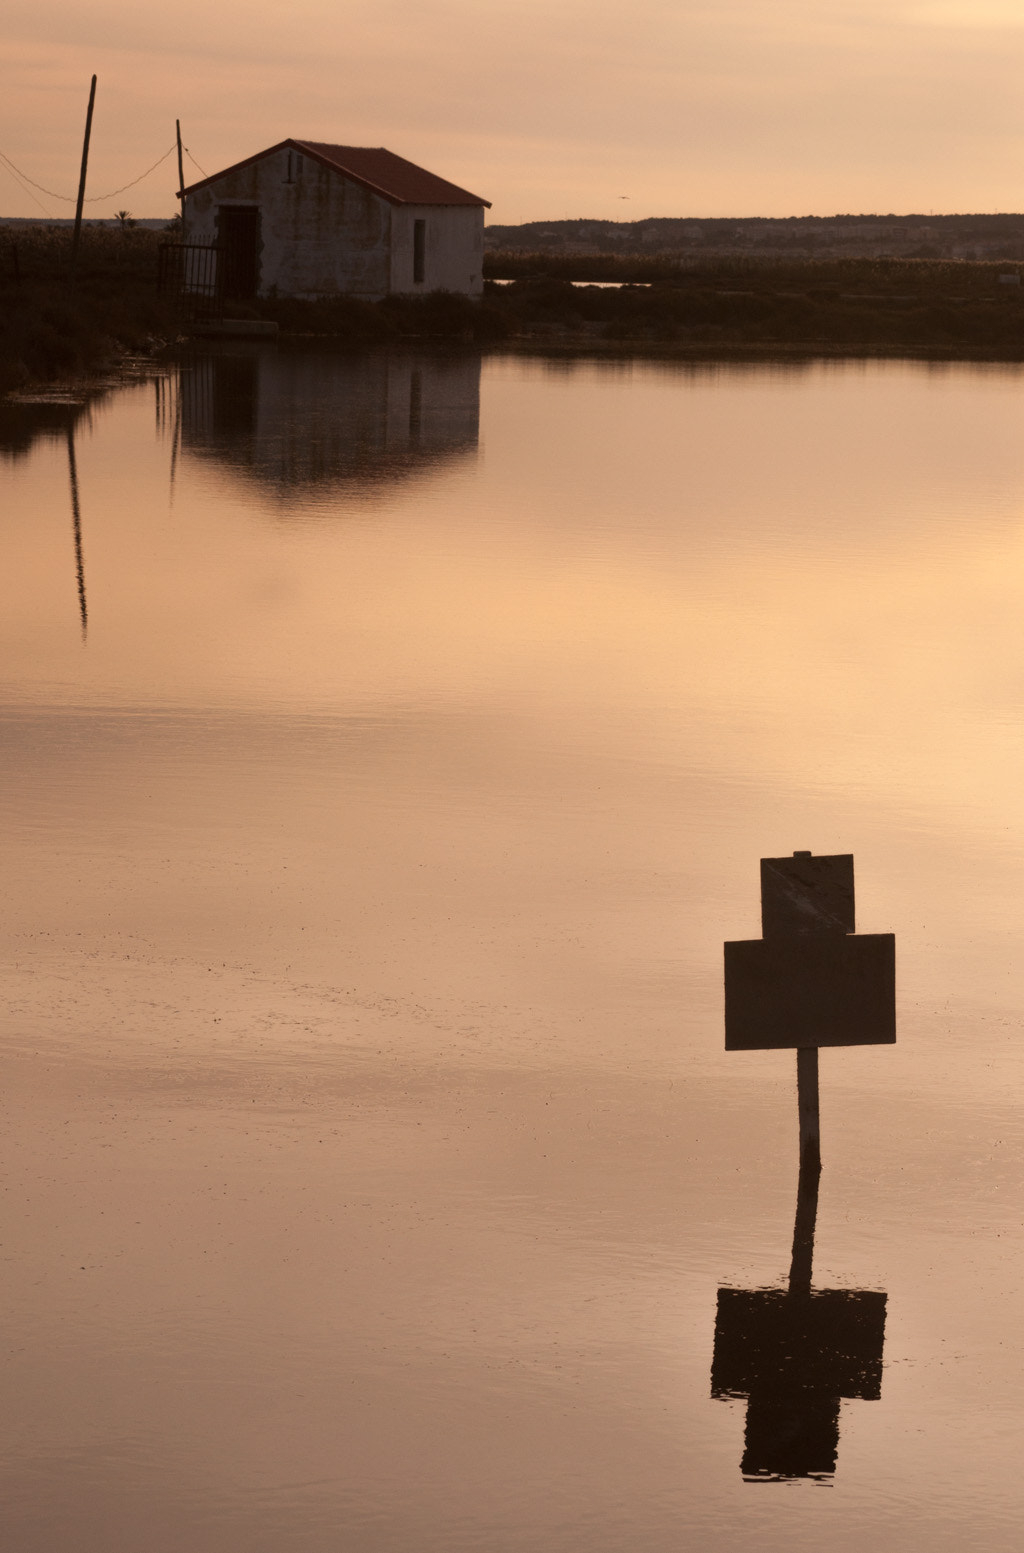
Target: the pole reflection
pixel 795 1354
pixel 76 520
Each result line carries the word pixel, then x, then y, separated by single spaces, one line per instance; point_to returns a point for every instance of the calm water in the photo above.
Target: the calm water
pixel 382 770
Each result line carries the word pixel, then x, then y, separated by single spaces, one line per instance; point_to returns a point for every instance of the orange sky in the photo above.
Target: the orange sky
pixel 550 108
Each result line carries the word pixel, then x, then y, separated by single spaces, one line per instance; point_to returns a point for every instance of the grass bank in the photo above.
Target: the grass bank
pixel 875 275
pixel 953 309
pixel 935 307
pixel 920 307
pixel 51 330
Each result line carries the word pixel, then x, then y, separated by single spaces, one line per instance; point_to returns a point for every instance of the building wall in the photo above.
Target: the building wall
pixel 454 248
pixel 321 234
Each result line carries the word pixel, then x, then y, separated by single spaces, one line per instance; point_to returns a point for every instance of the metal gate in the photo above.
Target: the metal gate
pixel 189 274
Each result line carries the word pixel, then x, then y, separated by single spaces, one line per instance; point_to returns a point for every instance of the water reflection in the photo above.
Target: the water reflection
pixel 303 422
pixel 373 1151
pixel 76 524
pixel 795 1354
pixel 43 417
pixel 52 417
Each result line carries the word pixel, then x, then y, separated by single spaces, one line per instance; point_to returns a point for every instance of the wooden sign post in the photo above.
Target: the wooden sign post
pixel 809 980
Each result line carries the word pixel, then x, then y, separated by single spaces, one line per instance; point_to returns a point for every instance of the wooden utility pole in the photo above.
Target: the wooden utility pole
pixel 181 177
pixel 81 184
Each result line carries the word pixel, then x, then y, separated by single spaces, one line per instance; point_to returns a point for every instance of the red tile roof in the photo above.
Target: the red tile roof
pixel 392 177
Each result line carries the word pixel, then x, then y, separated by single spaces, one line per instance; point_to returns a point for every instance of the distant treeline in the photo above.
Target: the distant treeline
pixel 11 225
pixel 997 236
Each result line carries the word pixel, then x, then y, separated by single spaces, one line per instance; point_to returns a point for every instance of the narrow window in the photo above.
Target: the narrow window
pixel 419 250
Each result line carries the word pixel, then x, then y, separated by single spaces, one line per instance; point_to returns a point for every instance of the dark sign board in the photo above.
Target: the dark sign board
pixel 818 990
pixel 810 981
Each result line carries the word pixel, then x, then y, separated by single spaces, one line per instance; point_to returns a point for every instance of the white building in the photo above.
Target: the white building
pixel 306 219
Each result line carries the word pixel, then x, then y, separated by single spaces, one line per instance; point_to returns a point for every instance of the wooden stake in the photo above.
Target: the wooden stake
pixel 807 1101
pixel 81 184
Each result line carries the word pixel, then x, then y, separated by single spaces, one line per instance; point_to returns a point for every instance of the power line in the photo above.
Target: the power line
pixel 134 181
pixel 24 188
pixel 191 158
pixel 24 176
pixel 93 199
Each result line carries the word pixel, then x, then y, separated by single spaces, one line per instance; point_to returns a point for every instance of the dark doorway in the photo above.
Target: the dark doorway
pixel 238 243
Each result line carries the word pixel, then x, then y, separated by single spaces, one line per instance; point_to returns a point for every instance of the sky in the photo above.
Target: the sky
pixel 548 108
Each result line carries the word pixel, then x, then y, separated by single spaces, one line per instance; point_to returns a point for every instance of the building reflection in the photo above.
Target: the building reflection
pixel 307 421
pixel 795 1354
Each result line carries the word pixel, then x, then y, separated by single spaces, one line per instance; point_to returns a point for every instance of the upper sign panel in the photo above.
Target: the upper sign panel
pixel 805 894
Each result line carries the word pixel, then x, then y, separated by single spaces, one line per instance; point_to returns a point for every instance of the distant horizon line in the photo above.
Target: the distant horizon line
pixel 911 215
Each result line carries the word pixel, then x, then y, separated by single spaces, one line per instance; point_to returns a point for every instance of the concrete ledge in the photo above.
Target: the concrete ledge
pixel 236 328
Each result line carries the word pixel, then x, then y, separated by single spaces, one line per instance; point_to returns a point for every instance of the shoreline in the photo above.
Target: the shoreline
pixel 58 335
pixel 135 366
pixel 753 351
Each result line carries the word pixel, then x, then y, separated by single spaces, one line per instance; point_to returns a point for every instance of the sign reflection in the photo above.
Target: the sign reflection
pixel 795 1354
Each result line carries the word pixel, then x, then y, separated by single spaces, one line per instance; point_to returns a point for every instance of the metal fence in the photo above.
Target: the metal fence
pixel 188 272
